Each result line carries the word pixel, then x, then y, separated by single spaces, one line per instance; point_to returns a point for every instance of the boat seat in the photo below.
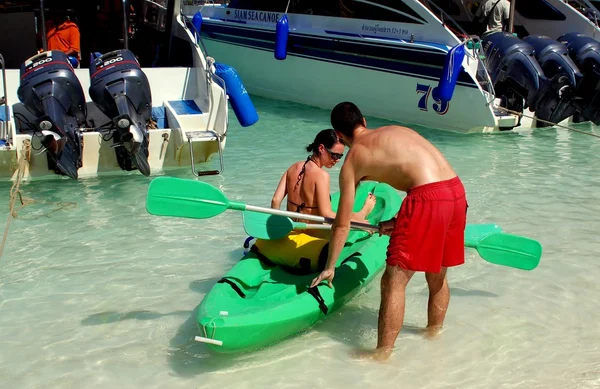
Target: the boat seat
pixel 185 107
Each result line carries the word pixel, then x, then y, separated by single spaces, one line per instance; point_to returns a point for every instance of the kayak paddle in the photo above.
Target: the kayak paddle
pixel 264 226
pixel 509 250
pixel 500 248
pixel 488 239
pixel 170 196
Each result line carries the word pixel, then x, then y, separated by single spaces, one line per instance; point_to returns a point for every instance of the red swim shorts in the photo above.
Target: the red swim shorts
pixel 430 228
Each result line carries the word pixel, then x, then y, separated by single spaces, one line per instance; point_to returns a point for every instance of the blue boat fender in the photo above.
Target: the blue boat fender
pixel 452 68
pixel 197 21
pixel 282 30
pixel 238 96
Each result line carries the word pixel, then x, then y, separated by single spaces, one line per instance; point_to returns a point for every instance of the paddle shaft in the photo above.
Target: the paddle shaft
pixel 314 218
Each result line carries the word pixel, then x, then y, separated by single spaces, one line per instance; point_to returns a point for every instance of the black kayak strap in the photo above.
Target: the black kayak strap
pixel 233 285
pixel 317 295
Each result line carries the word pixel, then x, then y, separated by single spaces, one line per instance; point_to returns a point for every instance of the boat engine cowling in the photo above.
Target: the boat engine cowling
pixel 515 73
pixel 120 89
pixel 52 93
pixel 559 102
pixel 585 52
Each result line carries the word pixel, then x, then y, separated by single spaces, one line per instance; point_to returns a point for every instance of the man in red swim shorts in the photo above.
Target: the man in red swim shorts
pixel 427 234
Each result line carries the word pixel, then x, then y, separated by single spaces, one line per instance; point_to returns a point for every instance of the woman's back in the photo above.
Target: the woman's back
pixel 302 180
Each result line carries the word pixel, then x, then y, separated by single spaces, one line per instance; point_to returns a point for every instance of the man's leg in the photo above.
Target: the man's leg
pixel 391 310
pixel 439 298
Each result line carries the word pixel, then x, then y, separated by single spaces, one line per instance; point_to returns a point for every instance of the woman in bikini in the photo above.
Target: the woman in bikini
pixel 306 184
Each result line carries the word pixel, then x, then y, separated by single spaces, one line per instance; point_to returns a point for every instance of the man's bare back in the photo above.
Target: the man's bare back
pixel 398 156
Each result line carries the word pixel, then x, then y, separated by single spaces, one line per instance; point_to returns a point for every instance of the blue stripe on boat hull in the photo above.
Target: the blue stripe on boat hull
pixel 424 63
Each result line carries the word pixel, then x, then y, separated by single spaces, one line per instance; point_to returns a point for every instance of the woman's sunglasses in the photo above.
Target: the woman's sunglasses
pixel 335 156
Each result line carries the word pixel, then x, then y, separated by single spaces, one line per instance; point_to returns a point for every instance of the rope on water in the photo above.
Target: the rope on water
pixel 15 192
pixel 545 121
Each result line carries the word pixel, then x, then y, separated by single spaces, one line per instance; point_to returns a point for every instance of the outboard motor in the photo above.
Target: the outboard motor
pixel 560 102
pixel 51 91
pixel 515 73
pixel 121 91
pixel 585 52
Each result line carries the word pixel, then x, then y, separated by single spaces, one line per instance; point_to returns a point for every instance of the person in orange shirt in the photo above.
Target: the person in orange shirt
pixel 62 34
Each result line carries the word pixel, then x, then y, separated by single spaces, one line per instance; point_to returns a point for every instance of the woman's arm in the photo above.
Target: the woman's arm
pixel 280 192
pixel 322 193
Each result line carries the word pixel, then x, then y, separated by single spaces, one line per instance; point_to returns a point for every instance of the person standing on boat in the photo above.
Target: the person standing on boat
pixel 62 34
pixel 306 184
pixel 427 234
pixel 495 14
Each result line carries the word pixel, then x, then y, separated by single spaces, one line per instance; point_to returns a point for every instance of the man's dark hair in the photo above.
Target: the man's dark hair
pixel 346 117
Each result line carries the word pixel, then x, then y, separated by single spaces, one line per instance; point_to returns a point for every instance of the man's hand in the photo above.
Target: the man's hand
pixel 326 274
pixel 387 227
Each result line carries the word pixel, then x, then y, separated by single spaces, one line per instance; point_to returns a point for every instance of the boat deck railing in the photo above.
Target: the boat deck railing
pixel 446 19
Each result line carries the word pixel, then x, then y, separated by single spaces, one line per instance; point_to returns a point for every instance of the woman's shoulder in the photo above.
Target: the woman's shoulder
pixel 318 173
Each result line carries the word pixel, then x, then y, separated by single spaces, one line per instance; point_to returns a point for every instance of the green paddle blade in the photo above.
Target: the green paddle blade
pixel 170 196
pixel 265 226
pixel 475 233
pixel 510 250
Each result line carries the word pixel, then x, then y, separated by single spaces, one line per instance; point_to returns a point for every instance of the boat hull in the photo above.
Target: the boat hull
pixel 395 96
pixel 99 157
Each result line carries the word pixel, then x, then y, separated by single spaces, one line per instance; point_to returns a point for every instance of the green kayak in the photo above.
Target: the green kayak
pixel 257 304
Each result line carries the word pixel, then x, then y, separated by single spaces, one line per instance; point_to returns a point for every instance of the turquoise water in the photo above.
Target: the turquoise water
pixel 101 294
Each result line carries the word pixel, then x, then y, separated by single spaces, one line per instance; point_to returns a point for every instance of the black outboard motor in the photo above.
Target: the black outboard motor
pixel 121 91
pixel 515 73
pixel 585 52
pixel 51 91
pixel 564 76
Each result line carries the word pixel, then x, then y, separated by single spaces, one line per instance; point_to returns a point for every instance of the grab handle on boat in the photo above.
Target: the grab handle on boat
pixel 207 340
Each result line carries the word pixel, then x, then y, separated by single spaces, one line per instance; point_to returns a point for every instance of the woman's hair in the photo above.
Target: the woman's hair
pixel 326 138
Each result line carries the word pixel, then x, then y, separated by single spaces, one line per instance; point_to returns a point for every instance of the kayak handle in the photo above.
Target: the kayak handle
pixel 208 340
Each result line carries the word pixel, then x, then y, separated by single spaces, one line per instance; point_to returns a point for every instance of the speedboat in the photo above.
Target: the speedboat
pixel 116 115
pixel 416 62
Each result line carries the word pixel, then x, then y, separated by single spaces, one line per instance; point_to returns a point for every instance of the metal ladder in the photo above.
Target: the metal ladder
pixel 205 136
pixel 208 135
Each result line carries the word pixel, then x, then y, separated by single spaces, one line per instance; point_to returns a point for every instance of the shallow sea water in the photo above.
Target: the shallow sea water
pixel 102 294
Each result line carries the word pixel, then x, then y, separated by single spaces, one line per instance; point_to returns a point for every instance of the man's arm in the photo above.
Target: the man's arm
pixel 341 224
